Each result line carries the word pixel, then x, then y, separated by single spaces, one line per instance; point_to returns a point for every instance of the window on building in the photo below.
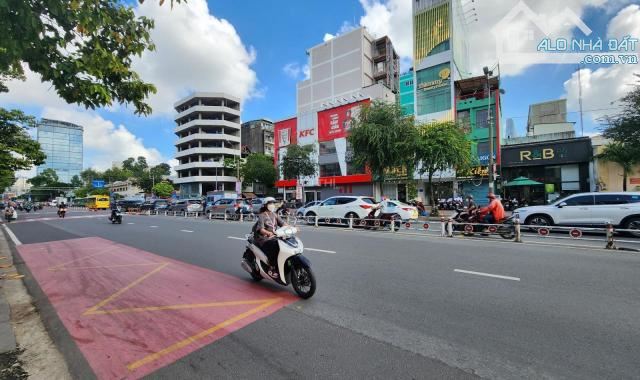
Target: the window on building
pixel 464 119
pixel 330 170
pixel 481 117
pixel 433 92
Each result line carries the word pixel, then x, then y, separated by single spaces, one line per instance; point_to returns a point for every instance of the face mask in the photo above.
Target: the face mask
pixel 271 207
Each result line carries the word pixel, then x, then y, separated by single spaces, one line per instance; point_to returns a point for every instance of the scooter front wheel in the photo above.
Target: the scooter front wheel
pixel 303 281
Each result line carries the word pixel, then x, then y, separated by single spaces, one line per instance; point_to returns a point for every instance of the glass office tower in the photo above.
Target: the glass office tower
pixel 62 143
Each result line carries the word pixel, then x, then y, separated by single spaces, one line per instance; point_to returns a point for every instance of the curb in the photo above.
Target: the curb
pixel 7 335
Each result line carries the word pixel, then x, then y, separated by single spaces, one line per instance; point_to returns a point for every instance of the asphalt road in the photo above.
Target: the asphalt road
pixel 399 305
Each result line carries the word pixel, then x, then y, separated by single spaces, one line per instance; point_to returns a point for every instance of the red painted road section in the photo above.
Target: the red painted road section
pixel 131 312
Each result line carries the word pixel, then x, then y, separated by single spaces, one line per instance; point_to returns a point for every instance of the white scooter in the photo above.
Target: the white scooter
pixel 293 268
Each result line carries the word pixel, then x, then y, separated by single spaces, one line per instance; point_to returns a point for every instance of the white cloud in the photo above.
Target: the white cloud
pixel 195 51
pixel 173 163
pixel 344 28
pixel 605 85
pixel 328 36
pixel 292 69
pixel 104 142
pixel 391 18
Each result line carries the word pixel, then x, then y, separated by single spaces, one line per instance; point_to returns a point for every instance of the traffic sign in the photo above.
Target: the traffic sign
pixel 363 222
pixel 543 231
pixel 426 226
pixel 493 229
pixel 97 183
pixel 575 233
pixel 377 223
pixel 468 228
pixel 408 225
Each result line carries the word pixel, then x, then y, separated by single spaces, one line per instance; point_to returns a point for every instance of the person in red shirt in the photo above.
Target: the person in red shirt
pixel 494 212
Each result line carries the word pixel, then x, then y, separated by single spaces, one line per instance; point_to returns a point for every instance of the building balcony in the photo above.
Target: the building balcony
pixel 208 137
pixel 200 165
pixel 196 123
pixel 207 109
pixel 192 151
pixel 203 178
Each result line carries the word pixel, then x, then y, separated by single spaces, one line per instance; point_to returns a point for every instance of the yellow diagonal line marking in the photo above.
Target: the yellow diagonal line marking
pixel 119 292
pixel 106 266
pixel 58 266
pixel 192 339
pixel 180 306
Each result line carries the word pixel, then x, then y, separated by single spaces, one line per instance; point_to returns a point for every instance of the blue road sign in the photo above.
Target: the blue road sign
pixel 98 183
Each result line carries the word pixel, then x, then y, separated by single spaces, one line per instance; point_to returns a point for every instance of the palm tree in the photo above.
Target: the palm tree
pixel 623 155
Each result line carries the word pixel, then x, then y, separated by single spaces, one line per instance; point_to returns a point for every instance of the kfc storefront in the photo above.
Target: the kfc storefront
pixel 327 132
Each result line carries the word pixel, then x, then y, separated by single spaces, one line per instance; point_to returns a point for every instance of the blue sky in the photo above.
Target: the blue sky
pixel 221 46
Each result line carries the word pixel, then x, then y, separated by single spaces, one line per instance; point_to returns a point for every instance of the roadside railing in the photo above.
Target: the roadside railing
pixel 445 227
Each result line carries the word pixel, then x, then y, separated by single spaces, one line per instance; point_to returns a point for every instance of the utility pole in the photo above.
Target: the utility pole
pixel 488 74
pixel 580 100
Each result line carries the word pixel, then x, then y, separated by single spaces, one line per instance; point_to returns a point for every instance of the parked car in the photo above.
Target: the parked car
pixel 2 205
pixel 356 207
pixel 229 206
pixel 157 205
pixel 587 209
pixel 130 204
pixel 186 205
pixel 256 205
pixel 300 211
pixel 406 212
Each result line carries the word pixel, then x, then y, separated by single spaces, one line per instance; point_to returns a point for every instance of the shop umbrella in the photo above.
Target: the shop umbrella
pixel 523 181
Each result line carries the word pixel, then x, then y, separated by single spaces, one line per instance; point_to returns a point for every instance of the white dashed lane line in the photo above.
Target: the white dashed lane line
pixel 186 230
pixel 487 275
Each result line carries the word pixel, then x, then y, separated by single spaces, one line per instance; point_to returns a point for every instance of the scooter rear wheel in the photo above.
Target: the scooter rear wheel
pixel 303 281
pixel 251 260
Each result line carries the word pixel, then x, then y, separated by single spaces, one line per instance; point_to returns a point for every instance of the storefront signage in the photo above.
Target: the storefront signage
pixel 336 122
pixel 444 75
pixel 634 181
pixel 559 152
pixel 285 133
pixel 285 137
pixel 480 171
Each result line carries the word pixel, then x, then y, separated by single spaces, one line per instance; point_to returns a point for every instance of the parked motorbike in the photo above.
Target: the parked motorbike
pixel 378 219
pixel 292 268
pixel 8 215
pixel 116 216
pixel 462 218
pixel 62 212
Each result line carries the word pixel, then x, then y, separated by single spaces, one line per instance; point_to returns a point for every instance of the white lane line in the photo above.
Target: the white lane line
pixel 153 226
pixel 130 223
pixel 12 235
pixel 320 250
pixel 306 249
pixel 186 230
pixel 487 275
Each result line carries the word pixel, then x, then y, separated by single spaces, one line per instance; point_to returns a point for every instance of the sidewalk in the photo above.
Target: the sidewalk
pixel 9 364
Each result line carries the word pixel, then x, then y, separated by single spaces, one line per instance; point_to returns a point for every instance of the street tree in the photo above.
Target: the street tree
pixel 76 181
pixel 624 155
pixel 258 168
pixel 441 146
pixel 47 178
pixel 382 139
pixel 88 175
pixel 297 162
pixel 163 189
pixel 18 151
pixel 146 179
pixel 624 128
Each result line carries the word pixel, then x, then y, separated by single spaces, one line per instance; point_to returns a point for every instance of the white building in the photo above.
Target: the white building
pixel 208 130
pixel 21 186
pixel 125 188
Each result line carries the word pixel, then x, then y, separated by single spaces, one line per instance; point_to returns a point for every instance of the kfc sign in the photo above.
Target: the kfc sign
pixel 306 133
pixel 285 137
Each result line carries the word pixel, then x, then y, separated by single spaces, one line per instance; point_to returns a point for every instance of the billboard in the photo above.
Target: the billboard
pixel 336 122
pixel 285 135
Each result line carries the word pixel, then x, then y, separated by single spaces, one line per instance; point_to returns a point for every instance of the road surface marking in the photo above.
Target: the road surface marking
pixel 12 235
pixel 105 266
pixel 59 266
pixel 201 335
pixel 320 250
pixel 186 230
pixel 130 223
pixel 94 309
pixel 183 306
pixel 487 275
pixel 235 238
pixel 153 226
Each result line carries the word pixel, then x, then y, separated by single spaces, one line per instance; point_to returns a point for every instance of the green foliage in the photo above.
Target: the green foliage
pixel 297 162
pixel 89 175
pixel 18 151
pixel 441 146
pixel 102 191
pixel 47 178
pixel 258 168
pixel 76 181
pixel 624 155
pixel 84 48
pixel 146 179
pixel 163 189
pixel 624 128
pixel 382 138
pixel 116 174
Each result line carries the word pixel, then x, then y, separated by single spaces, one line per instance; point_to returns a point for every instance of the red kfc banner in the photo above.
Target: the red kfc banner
pixel 284 134
pixel 336 122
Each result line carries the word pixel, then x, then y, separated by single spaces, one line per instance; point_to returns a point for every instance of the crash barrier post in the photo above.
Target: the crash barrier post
pixel 450 227
pixel 610 243
pixel 166 213
pixel 225 216
pixel 242 217
pixel 444 227
pixel 393 225
pixel 518 238
pixel 351 223
pixel 316 221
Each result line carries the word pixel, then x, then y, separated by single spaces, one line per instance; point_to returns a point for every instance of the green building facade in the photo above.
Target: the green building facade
pixel 406 93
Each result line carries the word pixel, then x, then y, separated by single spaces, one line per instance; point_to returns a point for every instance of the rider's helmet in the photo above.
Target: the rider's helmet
pixel 268 200
pixel 491 196
pixel 470 196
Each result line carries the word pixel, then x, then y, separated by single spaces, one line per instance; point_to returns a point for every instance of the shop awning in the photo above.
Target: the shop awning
pixel 523 181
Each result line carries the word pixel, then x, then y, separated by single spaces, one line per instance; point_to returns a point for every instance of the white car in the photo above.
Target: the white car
pixel 356 207
pixel 406 212
pixel 300 212
pixel 587 209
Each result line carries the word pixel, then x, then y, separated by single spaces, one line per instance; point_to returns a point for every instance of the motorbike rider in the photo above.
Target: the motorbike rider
pixel 9 211
pixel 113 205
pixel 264 231
pixel 494 212
pixel 471 204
